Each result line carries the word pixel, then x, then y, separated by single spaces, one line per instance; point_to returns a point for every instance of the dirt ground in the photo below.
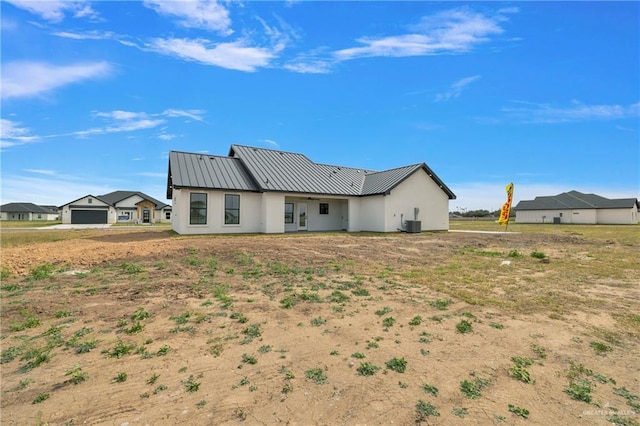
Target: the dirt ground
pixel 137 327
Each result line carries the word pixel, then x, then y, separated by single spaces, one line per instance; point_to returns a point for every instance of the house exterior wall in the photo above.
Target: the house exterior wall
pixel 371 216
pixel 580 216
pixel 272 213
pixel 421 192
pixel 250 213
pixel 618 216
pixel 83 204
pixel 332 221
pixel 27 216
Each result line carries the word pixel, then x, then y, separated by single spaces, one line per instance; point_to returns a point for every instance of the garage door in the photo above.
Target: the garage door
pixel 88 216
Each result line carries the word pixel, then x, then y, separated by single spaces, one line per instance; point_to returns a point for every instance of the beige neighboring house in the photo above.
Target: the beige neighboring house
pixel 256 190
pixel 578 208
pixel 118 206
pixel 28 211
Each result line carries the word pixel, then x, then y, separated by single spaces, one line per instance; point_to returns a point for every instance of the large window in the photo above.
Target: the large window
pixel 231 209
pixel 324 208
pixel 288 212
pixel 198 209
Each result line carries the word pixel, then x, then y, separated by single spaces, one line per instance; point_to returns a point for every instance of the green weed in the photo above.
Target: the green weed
pixel 120 349
pixel 519 411
pixel 367 369
pixel 417 320
pixel 191 385
pixel 398 365
pixel 430 389
pixel 383 311
pixel 316 375
pixel 464 327
pixel 40 398
pixel 388 322
pixel 441 304
pixel 358 355
pixel 600 348
pixel 424 410
pixel 42 272
pixel 77 375
pixel 130 268
pixel 473 389
pixel 120 377
pixel 580 391
pixel 459 412
pixel 248 359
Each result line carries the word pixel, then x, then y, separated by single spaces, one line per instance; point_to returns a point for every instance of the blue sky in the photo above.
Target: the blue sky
pixel 542 94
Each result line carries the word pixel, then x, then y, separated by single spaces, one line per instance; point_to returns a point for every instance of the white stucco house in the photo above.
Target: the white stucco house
pixel 28 211
pixel 117 206
pixel 257 190
pixel 578 208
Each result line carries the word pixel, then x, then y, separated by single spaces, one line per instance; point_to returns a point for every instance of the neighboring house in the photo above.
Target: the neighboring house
pixel 118 206
pixel 268 191
pixel 578 208
pixel 28 211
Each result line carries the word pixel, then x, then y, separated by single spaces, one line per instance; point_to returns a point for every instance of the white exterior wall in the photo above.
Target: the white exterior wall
pixel 580 216
pixel 83 204
pixel 250 213
pixel 28 216
pixel 372 213
pixel 334 221
pixel 417 191
pixel 618 216
pixel 272 213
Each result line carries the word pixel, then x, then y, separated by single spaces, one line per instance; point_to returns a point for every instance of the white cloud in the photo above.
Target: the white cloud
pixel 41 172
pixel 26 79
pixel 194 114
pixel 152 175
pixel 55 10
pixel 447 32
pixel 166 136
pixel 546 113
pixel 271 142
pixel 88 35
pixel 11 134
pixel 235 55
pixel 456 89
pixel 205 14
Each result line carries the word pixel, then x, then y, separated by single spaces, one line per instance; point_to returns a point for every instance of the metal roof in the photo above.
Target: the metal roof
pixel 26 208
pixel 575 200
pixel 258 169
pixel 193 170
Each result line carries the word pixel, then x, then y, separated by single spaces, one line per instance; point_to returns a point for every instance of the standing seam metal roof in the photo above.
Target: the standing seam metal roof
pixel 258 169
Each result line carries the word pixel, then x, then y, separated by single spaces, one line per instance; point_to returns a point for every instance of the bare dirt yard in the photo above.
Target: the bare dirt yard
pixel 144 327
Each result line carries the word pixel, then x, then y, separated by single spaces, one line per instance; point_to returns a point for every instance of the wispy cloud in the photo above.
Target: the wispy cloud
pixel 577 111
pixel 236 55
pixel 12 133
pixel 194 114
pixel 453 31
pixel 28 79
pixel 271 142
pixel 87 35
pixel 49 190
pixel 56 10
pixel 447 32
pixel 456 89
pixel 41 172
pixel 204 14
pixel 152 175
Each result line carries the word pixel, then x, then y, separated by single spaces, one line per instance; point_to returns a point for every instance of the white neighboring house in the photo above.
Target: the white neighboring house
pixel 118 206
pixel 578 208
pixel 28 211
pixel 257 190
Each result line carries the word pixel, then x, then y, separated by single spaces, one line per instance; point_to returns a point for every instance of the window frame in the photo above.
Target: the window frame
pixel 325 210
pixel 292 213
pixel 230 209
pixel 192 208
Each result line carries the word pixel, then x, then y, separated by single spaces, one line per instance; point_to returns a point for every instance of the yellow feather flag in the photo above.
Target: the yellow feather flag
pixel 505 211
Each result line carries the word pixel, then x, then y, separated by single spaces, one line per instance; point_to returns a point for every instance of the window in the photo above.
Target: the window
pixel 167 215
pixel 231 209
pixel 39 216
pixel 324 208
pixel 198 209
pixel 288 212
pixel 90 201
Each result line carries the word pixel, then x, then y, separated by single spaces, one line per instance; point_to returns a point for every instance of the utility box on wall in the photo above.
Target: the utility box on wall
pixel 414 226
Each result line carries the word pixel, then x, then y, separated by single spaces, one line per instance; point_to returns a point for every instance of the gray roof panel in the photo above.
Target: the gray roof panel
pixel 258 169
pixel 575 200
pixel 27 208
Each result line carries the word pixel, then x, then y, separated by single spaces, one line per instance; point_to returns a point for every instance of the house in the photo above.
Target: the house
pixel 578 208
pixel 118 206
pixel 256 190
pixel 27 211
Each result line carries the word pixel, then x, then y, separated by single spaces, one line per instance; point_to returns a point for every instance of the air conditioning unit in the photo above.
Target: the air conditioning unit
pixel 414 226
